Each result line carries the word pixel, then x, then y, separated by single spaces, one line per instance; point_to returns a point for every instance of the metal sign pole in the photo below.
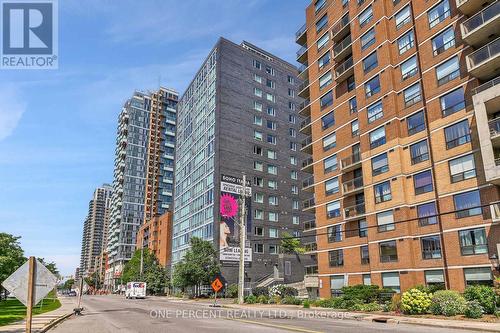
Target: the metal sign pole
pixel 81 292
pixel 243 230
pixel 31 285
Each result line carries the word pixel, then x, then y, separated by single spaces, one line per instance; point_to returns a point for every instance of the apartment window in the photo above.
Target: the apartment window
pixel 295 204
pixel 258 181
pixel 271 139
pixel 271 154
pixel 321 23
pixel 293 160
pixel 258 197
pixel 257 92
pixel 368 39
pixel 328 120
pixel 291 92
pixel 272 169
pixel 257 78
pixel 412 95
pixel 326 100
pixel 333 209
pixel 403 17
pixel 273 232
pixel 406 42
pixel 257 120
pixel 295 189
pixel 273 249
pixel 423 182
pixel 292 119
pixel 291 79
pixel 258 248
pixel 372 87
pixel 439 13
pixel 415 123
pixel 329 141
pixel 462 168
pixel 374 112
pixel 257 64
pixel 270 70
pixel 431 247
pixel 391 281
pixel 443 41
pixel 271 111
pixel 293 146
pixel 325 80
pixel 271 125
pixel 377 137
pixel 257 150
pixel 409 68
pixel 366 16
pixel 367 279
pixel 370 62
pixel 452 102
pixel 473 241
pixel 322 41
pixel 457 134
pixel 334 233
pixel 272 184
pixel 467 204
pixel 295 219
pixel 385 221
pixel 434 278
pixel 273 200
pixel 380 164
pixel 258 214
pixel 448 71
pixel 291 106
pixel 330 163
pixel 257 106
pixel 427 214
pixel 319 4
pixel 332 186
pixel 270 97
pixel 351 83
pixel 355 127
pixel 270 83
pixel 388 252
pixel 419 152
pixel 353 105
pixel 365 255
pixel 257 135
pixel 324 60
pixel 362 228
pixel 258 231
pixel 478 276
pixel 382 192
pixel 293 175
pixel 336 258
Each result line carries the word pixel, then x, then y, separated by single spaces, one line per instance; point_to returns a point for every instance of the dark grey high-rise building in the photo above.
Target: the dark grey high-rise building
pixel 239 115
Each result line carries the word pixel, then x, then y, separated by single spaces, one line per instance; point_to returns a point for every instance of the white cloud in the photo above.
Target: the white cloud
pixel 12 108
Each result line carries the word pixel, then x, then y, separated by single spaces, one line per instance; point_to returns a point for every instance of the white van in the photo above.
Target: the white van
pixel 135 290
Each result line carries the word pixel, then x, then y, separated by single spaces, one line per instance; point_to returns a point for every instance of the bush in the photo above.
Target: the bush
pixel 291 300
pixel 415 301
pixel 369 307
pixel 484 295
pixel 263 299
pixel 251 299
pixel 448 303
pixel 334 303
pixel 395 303
pixel 282 290
pixel 232 291
pixel 257 291
pixel 306 304
pixel 473 309
pixel 361 292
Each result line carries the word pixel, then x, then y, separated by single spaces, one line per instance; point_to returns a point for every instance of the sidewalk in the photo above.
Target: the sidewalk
pixel 40 322
pixel 378 317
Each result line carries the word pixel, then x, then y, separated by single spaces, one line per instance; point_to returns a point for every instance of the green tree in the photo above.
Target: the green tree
pixel 291 245
pixel 198 266
pixel 51 266
pixel 11 256
pixel 68 284
pixel 155 276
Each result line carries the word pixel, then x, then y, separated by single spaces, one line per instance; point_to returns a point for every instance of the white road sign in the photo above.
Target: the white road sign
pixel 17 283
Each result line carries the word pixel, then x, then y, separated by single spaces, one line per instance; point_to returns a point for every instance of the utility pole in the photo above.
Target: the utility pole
pixel 243 231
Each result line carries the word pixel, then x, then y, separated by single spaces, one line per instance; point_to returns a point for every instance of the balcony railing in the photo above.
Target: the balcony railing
pixel 308 182
pixel 308 225
pixel 306 122
pixel 344 67
pixel 303 67
pixel 303 85
pixel 301 51
pixel 494 126
pixel 353 211
pixel 304 104
pixel 344 21
pixel 480 18
pixel 485 53
pixel 348 161
pixel 486 85
pixel 301 31
pixel 309 203
pixel 307 162
pixel 306 142
pixel 345 43
pixel 353 184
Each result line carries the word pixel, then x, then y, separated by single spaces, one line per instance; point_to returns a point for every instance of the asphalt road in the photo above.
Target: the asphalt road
pixel 111 314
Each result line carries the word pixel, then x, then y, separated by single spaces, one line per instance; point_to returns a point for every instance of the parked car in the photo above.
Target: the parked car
pixel 72 293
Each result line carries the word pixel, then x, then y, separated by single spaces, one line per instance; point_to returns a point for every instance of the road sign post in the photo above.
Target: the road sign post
pixel 217 285
pixel 29 306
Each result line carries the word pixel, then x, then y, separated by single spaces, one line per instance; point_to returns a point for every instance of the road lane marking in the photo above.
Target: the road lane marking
pixel 284 327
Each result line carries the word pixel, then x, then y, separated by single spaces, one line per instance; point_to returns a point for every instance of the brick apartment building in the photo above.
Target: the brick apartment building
pixel 402 105
pixel 156 235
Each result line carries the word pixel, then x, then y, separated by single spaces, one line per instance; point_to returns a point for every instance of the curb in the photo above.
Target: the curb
pixel 476 329
pixel 55 322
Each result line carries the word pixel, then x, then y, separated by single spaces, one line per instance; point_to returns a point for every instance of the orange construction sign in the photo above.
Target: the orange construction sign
pixel 217 284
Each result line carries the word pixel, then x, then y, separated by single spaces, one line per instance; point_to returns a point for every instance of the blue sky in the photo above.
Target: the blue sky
pixel 57 128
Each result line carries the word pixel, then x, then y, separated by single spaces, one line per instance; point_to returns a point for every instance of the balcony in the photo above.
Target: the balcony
pixel 341 28
pixel 477 30
pixel 469 7
pixel 304 71
pixel 305 126
pixel 343 49
pixel 350 162
pixel 304 89
pixel 308 205
pixel 301 35
pixel 485 62
pixel 486 86
pixel 307 145
pixel 308 184
pixel 302 55
pixel 305 108
pixel 353 186
pixel 494 127
pixel 307 165
pixel 354 211
pixel 344 70
pixel 309 225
